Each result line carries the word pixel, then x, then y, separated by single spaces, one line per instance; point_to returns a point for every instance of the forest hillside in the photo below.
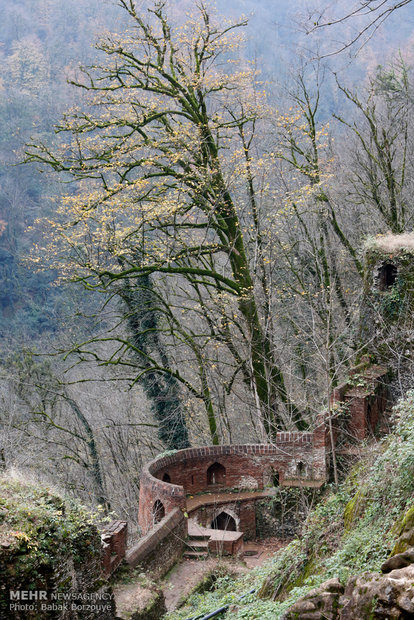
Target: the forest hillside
pixel 206 232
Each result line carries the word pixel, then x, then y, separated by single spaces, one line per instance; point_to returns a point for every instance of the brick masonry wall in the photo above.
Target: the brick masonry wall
pixel 162 547
pixel 295 459
pixel 152 489
pixel 226 547
pixel 365 403
pixel 243 512
pixel 114 543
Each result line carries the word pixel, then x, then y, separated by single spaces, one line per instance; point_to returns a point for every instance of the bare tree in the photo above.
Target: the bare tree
pixel 368 14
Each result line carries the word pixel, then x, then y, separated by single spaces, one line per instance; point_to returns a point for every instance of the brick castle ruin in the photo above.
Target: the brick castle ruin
pixel 205 498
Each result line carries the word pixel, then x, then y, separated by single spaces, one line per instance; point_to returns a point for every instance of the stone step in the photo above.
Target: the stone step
pixel 197 545
pixel 196 555
pixel 199 537
pixel 196 532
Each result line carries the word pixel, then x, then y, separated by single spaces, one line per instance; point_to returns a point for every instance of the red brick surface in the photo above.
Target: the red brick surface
pixel 114 542
pixel 222 545
pixel 364 399
pixel 294 459
pixel 162 547
pixel 294 456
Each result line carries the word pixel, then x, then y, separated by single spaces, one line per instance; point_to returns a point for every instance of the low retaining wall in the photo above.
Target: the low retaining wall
pixel 162 547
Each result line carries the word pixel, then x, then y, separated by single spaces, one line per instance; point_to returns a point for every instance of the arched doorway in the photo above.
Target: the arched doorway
pixel 387 276
pixel 224 521
pixel 158 512
pixel 216 474
pixel 166 477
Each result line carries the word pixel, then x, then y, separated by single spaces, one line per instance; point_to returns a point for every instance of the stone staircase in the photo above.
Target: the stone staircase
pixel 197 542
pixel 202 542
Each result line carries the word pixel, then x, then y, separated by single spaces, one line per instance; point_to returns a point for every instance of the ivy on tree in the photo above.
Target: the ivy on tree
pixel 163 159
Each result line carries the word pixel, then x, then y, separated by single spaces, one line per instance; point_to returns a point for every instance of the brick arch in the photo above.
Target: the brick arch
pixel 158 511
pixel 301 469
pixel 387 275
pixel 224 521
pixel 216 474
pixel 271 477
pixel 224 514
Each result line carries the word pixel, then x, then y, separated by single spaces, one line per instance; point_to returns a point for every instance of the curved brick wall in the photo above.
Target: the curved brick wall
pixel 297 457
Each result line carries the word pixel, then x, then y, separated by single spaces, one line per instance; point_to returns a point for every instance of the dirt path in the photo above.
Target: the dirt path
pixel 186 575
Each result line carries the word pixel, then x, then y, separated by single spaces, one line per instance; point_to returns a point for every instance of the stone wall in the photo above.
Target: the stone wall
pixel 282 515
pixel 162 547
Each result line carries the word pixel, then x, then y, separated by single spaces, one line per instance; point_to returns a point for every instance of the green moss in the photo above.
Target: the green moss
pixel 353 509
pixel 153 610
pixel 405 533
pixel 310 568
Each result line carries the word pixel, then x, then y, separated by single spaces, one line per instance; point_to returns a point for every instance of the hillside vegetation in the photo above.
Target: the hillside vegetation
pixel 352 531
pixel 49 543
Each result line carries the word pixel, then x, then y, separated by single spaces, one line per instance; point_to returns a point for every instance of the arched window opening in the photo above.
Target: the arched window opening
pixel 271 477
pixel 166 477
pixel 387 276
pixel 300 468
pixel 158 512
pixel 224 521
pixel 216 474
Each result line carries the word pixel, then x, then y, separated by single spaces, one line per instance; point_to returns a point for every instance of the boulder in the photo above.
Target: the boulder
pixel 372 595
pixel 319 603
pixel 400 560
pixel 406 533
pixel 140 600
pixel 366 597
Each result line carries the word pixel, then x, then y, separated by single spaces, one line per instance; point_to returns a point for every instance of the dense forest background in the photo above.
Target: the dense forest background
pixel 93 383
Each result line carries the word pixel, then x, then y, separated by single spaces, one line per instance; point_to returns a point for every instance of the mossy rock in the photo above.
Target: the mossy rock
pixel 141 599
pixel 406 533
pixel 353 509
pixel 310 568
pixel 278 583
pixel 47 542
